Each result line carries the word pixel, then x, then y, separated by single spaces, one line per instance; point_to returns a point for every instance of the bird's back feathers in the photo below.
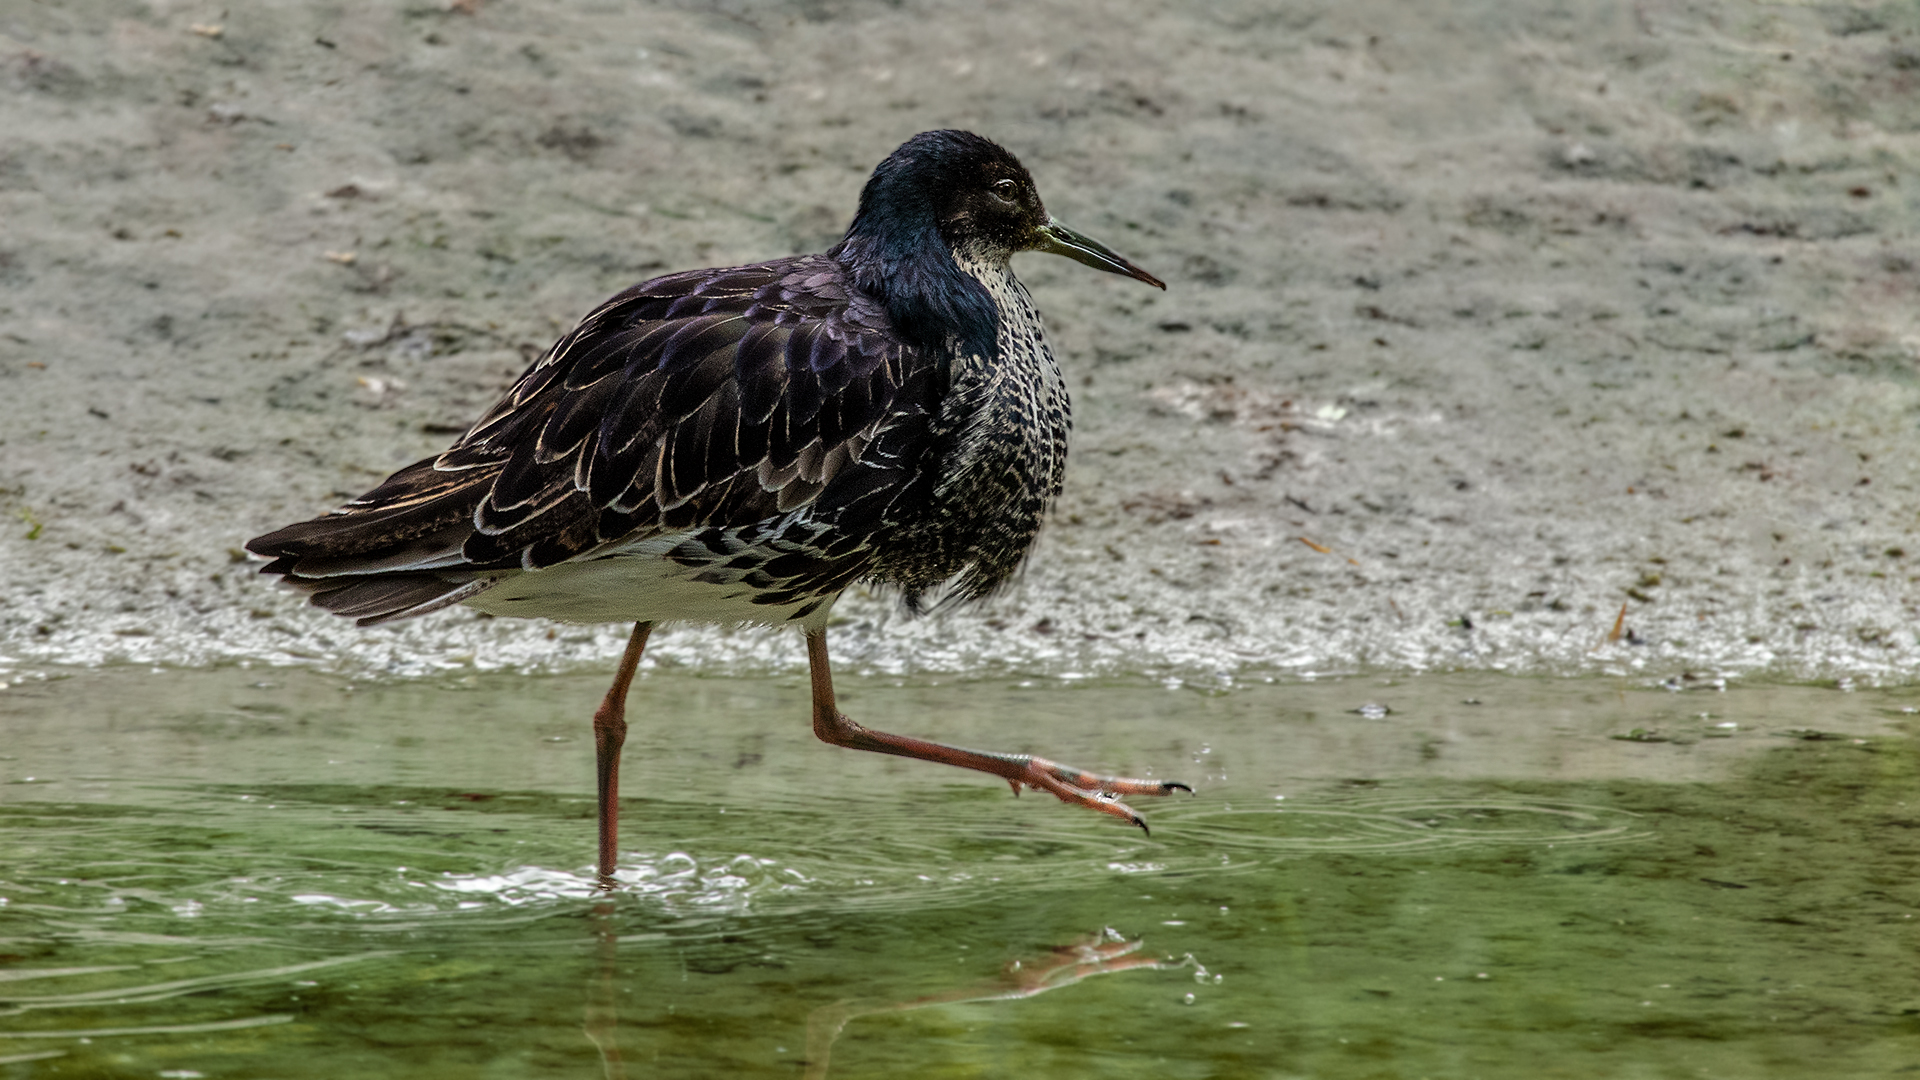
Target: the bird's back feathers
pixel 717 398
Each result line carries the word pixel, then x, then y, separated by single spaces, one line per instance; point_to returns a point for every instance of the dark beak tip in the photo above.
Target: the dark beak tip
pixel 1060 240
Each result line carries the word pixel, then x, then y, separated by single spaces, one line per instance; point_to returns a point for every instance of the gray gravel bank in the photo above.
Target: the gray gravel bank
pixel 1517 312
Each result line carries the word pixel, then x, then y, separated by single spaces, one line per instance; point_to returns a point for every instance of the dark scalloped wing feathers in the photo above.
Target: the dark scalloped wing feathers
pixel 713 398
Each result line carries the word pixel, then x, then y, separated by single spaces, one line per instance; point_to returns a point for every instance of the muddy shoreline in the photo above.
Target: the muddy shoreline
pixel 1484 320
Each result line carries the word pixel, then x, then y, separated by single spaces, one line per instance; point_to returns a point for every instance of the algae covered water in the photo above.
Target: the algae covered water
pixel 237 874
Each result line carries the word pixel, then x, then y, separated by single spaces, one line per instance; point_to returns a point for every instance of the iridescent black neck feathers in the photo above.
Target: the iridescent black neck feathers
pixel 914 214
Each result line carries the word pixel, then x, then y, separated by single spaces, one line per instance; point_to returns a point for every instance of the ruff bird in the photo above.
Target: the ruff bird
pixel 739 445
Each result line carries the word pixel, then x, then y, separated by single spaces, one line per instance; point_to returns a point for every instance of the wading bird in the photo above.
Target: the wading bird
pixel 740 445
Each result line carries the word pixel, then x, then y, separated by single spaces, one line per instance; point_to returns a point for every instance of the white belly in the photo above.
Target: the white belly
pixel 636 585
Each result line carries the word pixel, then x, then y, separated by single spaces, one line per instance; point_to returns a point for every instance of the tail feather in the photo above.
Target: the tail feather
pixel 435 551
pixel 393 553
pixel 378 598
pixel 416 502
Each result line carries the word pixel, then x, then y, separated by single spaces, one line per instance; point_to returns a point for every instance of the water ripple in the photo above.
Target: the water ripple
pixel 240 1024
pixel 160 991
pixel 1399 825
pixel 819 858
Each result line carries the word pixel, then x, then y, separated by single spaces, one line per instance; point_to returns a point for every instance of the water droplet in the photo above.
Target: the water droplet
pixel 1188 1000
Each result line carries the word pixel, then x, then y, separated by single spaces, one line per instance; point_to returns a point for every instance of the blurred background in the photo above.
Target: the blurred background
pixel 1484 319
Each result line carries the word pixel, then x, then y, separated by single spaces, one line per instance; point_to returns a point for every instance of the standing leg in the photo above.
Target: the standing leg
pixel 609 734
pixel 1071 785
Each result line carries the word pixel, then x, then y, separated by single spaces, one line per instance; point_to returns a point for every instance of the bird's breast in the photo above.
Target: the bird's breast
pixel 1009 412
pixel 1001 453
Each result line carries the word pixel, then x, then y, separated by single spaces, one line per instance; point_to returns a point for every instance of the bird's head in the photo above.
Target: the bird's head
pixel 942 199
pixel 977 198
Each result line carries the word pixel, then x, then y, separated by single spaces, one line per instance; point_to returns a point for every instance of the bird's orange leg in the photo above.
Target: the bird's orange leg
pixel 609 734
pixel 1090 790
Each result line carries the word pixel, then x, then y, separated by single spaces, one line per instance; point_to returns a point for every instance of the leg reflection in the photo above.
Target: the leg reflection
pixel 603 1017
pixel 1102 954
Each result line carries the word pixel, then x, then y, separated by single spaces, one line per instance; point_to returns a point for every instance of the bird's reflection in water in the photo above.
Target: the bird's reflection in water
pixel 1104 953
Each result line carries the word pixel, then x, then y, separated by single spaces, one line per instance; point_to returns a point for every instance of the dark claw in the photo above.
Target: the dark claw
pixel 1175 785
pixel 1142 822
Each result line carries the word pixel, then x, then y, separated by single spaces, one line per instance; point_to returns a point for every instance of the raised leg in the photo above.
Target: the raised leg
pixel 609 734
pixel 1071 785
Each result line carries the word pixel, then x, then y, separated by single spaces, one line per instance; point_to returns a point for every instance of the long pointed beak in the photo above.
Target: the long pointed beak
pixel 1060 240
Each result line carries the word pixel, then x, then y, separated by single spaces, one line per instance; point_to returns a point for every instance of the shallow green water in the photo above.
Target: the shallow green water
pixel 238 874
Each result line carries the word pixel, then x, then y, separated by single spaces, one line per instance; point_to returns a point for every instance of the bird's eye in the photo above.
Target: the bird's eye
pixel 1006 189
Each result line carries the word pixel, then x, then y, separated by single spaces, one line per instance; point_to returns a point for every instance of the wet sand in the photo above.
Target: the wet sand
pixel 1517 312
